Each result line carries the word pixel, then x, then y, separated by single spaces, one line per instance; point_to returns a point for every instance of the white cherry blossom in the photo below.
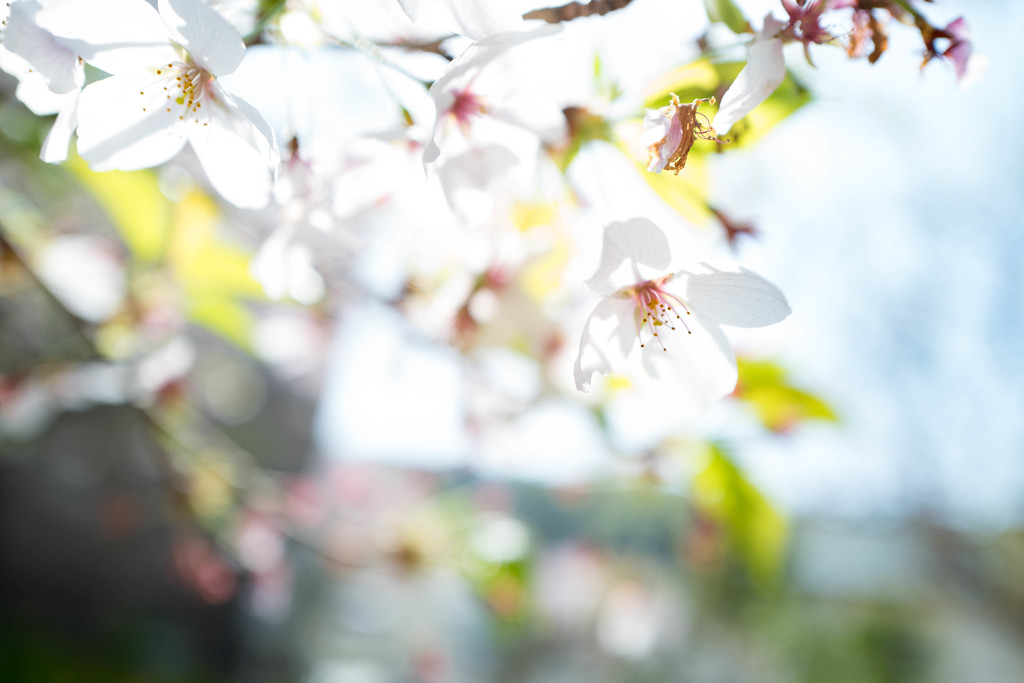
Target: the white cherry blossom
pixel 490 91
pixel 764 72
pixel 674 316
pixel 163 91
pixel 50 76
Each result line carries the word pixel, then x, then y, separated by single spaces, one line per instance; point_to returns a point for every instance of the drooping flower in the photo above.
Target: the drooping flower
pixel 669 134
pixel 674 316
pixel 764 72
pixel 163 91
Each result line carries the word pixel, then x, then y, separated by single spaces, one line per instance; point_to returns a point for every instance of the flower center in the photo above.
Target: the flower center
pixel 656 308
pixel 182 87
pixel 467 104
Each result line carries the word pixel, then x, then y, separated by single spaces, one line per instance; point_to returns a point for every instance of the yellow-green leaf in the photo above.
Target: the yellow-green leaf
pixel 778 404
pixel 213 274
pixel 224 316
pixel 726 12
pixel 756 530
pixel 136 206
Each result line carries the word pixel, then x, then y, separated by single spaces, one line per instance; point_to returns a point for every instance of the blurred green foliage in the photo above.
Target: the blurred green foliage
pixel 755 529
pixel 726 12
pixel 780 406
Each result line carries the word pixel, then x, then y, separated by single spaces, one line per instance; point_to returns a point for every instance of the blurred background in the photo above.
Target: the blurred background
pixel 381 476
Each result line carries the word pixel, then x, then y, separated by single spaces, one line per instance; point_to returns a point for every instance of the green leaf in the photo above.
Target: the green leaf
pixel 726 12
pixel 214 274
pixel 779 405
pixel 757 531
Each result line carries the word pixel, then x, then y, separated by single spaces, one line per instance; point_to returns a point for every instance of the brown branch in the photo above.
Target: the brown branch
pixel 575 10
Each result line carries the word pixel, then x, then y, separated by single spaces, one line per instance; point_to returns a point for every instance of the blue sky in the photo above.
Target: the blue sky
pixel 891 211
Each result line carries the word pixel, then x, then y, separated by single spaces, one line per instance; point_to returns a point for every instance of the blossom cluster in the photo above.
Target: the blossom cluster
pixel 331 116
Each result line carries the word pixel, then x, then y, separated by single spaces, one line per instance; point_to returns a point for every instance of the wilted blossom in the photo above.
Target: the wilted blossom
pixel 675 316
pixel 669 134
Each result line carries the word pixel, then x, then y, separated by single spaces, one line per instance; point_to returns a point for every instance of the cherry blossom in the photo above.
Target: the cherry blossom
pixel 163 92
pixel 485 92
pixel 50 76
pixel 674 315
pixel 764 72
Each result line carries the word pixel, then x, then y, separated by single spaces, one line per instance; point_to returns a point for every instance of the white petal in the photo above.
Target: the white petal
pixel 119 128
pixel 628 245
pixel 481 19
pixel 265 141
pixel 277 81
pixel 739 299
pixel 270 264
pixel 117 36
pixel 411 8
pixel 234 155
pixel 46 54
pixel 469 181
pixel 764 72
pixel 655 127
pixel 209 38
pixel 55 146
pixel 544 118
pixel 32 90
pixel 464 72
pixel 701 366
pixel 608 336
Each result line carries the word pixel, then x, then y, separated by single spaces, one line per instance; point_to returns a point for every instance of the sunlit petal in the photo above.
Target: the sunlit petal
pixel 740 299
pixel 628 245
pixel 213 43
pixel 606 339
pixel 232 156
pixel 764 72
pixel 117 36
pixel 123 124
